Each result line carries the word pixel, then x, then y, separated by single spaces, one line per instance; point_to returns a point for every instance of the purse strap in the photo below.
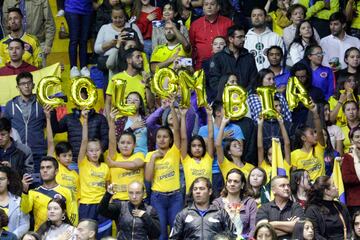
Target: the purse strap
pixel 343 221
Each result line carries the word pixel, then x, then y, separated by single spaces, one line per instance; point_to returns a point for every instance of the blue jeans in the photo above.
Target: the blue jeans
pixel 167 206
pixel 79 29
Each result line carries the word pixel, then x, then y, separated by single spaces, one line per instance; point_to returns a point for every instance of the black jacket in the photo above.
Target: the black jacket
pixel 189 224
pixel 130 227
pixel 97 125
pixel 224 63
pixel 19 156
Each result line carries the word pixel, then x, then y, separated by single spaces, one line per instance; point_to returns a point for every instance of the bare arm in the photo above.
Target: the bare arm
pixel 286 138
pixel 84 141
pixel 335 111
pixel 112 136
pixel 149 167
pixel 176 126
pixel 218 142
pixel 210 143
pixel 317 124
pixel 49 132
pixel 183 133
pixel 128 165
pixel 260 141
pixel 339 147
pixel 349 11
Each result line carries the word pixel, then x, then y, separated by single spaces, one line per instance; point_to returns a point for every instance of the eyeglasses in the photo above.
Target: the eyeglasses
pixel 22 84
pixel 320 54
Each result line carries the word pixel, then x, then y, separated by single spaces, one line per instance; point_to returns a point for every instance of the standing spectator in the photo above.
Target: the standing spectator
pixel 10 195
pixel 78 14
pixel 33 50
pixel 335 134
pixel 331 219
pixel 233 59
pixel 319 12
pixel 281 213
pixel 207 219
pixel 14 154
pixel 135 219
pixel 259 38
pixel 275 56
pixel 322 77
pixel 279 16
pixel 27 117
pixel 351 111
pixel 351 9
pixel 205 29
pixel 16 65
pixel 38 21
pixel 187 14
pixel 146 15
pixel 36 200
pixel 337 43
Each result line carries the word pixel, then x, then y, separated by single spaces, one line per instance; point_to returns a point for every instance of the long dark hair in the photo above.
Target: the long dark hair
pixel 228 142
pixel 269 227
pixel 340 82
pixel 295 178
pixel 46 225
pixel 171 135
pixel 299 66
pixel 300 132
pixel 141 105
pixel 298 232
pixel 15 184
pixel 33 234
pixel 249 189
pixel 242 193
pixel 202 141
pixel 298 38
pixel 260 76
pixel 356 214
pixel 317 191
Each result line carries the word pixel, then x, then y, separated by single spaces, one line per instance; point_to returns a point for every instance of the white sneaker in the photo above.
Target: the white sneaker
pixel 85 72
pixel 74 72
pixel 60 13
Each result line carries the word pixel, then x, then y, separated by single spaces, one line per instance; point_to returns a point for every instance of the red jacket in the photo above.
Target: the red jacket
pixel 10 70
pixel 145 25
pixel 351 181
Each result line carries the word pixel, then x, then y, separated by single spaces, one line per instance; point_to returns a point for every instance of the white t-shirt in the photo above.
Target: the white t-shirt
pixel 335 134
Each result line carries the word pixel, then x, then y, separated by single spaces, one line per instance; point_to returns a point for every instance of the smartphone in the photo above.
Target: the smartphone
pixel 185 62
pixel 158 23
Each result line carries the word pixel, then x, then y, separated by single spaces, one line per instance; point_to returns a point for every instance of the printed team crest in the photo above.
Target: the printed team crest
pixel 323 74
pixel 212 64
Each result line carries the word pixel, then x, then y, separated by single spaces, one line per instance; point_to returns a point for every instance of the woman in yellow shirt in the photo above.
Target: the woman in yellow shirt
pixel 351 111
pixel 229 157
pixel 196 159
pixel 309 148
pixel 163 170
pixel 94 178
pixel 125 165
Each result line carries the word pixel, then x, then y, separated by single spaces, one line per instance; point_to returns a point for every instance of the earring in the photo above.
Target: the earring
pixel 63 217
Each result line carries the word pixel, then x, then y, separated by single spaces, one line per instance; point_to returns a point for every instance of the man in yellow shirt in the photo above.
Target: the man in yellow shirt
pixel 136 79
pixel 36 200
pixel 177 47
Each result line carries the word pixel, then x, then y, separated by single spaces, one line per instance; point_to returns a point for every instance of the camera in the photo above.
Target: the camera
pixel 128 36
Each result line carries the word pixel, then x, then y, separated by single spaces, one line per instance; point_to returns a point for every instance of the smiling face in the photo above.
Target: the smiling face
pixel 55 212
pixel 118 18
pixel 168 12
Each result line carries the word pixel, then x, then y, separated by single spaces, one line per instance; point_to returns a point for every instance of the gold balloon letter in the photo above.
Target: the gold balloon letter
pixel 296 92
pixel 234 100
pixel 196 82
pixel 266 95
pixel 82 102
pixel 118 99
pixel 164 82
pixel 42 91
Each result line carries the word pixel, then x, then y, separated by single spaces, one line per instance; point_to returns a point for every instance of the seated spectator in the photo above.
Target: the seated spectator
pixel 31 236
pixel 356 225
pixel 349 168
pixel 322 77
pixel 265 231
pixel 135 219
pixel 351 111
pixel 258 186
pixel 279 17
pixel 304 230
pixel 202 31
pixel 231 80
pixel 4 221
pixel 300 184
pixel 27 117
pixel 334 45
pixel 319 13
pixel 352 59
pixel 212 219
pixel 16 64
pixel 57 224
pixel 86 229
pixel 331 219
pixel 281 213
pixel 296 14
pixel 241 208
pixel 260 37
pixel 32 54
pixel 10 192
pixel 347 89
pixel 145 14
pixel 234 59
pixel 265 78
pixel 304 36
pixel 335 134
pixel 175 48
pixel 158 33
pixel 14 154
pixel 275 56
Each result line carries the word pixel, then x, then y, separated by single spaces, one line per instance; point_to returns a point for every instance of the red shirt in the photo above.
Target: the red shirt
pixel 351 181
pixel 11 70
pixel 145 25
pixel 202 33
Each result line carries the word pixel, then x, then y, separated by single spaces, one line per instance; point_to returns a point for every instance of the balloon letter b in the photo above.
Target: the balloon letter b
pixel 234 100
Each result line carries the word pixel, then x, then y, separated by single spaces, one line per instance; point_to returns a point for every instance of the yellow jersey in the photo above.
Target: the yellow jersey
pixel 69 179
pixel 163 52
pixel 6 210
pixel 268 169
pixel 340 118
pixel 32 54
pixel 279 21
pixel 227 165
pixel 194 169
pixel 166 171
pixel 93 180
pixel 37 201
pixel 313 161
pixel 355 23
pixel 122 177
pixel 347 143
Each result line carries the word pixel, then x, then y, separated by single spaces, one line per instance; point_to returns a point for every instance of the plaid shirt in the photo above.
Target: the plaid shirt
pixel 255 107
